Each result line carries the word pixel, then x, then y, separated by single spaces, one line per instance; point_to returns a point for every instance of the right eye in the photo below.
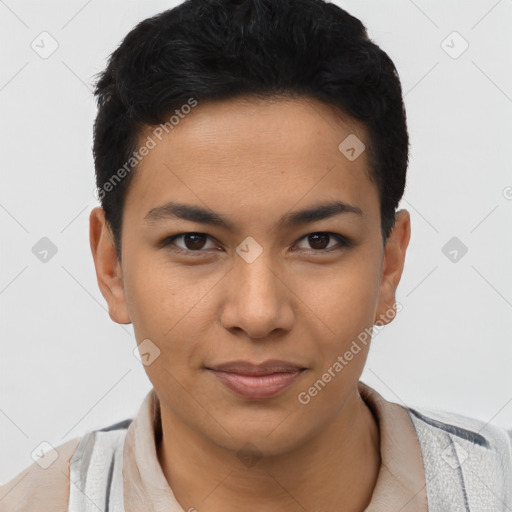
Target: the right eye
pixel 193 242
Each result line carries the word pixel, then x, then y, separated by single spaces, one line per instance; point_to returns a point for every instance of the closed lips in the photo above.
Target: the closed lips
pixel 265 368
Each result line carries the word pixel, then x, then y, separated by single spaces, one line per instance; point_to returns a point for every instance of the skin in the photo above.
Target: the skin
pixel 300 300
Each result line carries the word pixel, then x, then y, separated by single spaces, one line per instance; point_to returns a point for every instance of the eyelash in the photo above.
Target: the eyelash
pixel 343 241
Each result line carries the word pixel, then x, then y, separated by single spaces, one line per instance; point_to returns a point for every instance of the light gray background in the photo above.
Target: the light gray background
pixel 66 368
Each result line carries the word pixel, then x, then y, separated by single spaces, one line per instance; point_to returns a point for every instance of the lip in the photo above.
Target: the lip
pixel 264 368
pixel 257 387
pixel 257 381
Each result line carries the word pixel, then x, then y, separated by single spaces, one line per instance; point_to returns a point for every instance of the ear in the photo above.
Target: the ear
pixel 392 267
pixel 108 270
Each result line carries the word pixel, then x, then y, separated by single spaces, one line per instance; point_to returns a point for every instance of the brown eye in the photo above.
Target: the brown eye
pixel 320 241
pixel 197 242
pixel 192 242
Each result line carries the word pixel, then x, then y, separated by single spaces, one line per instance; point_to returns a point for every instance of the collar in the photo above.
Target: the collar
pixel 400 482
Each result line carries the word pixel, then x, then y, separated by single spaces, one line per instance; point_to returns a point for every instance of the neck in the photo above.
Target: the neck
pixel 336 466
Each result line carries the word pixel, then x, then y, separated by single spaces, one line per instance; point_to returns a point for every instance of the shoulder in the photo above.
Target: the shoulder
pixel 467 461
pixel 96 469
pixel 46 487
pixel 461 427
pixel 39 488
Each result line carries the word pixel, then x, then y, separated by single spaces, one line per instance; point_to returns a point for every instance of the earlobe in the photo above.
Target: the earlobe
pixel 392 268
pixel 108 269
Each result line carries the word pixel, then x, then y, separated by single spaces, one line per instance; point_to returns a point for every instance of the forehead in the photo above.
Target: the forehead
pixel 253 152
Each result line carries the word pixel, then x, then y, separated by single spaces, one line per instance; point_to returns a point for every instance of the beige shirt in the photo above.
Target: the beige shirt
pixel 400 483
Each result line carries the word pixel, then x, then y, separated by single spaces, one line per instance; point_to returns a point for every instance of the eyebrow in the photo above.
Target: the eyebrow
pixel 174 210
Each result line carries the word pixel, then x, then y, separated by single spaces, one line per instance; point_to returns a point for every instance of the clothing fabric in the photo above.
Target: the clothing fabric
pixel 431 461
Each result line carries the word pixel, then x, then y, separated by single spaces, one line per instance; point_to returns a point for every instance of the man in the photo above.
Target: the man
pixel 250 157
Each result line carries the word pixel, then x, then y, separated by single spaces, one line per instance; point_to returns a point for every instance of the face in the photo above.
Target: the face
pixel 259 286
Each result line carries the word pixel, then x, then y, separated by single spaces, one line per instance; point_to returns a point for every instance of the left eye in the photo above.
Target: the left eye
pixel 194 242
pixel 318 240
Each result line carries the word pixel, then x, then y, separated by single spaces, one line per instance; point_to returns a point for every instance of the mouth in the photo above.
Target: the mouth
pixel 257 381
pixel 267 367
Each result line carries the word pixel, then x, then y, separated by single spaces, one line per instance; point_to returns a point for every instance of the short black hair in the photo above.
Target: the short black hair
pixel 208 50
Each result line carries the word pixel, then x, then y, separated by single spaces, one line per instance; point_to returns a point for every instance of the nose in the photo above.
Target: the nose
pixel 258 302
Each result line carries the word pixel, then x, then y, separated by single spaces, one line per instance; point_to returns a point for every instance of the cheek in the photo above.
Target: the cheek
pixel 346 299
pixel 158 295
pixel 172 307
pixel 346 304
pixel 151 301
